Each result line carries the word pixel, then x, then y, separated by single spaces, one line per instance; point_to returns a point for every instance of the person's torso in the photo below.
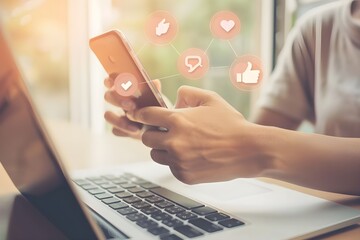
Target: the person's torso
pixel 337 74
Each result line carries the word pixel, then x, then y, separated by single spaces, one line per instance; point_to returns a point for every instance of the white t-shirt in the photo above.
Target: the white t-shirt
pixel 317 77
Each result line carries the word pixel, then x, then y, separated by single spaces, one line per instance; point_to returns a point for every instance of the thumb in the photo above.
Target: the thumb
pixel 193 97
pixel 162 21
pixel 249 67
pixel 157 84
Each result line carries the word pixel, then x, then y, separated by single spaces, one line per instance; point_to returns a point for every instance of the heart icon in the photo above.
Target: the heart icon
pixel 227 25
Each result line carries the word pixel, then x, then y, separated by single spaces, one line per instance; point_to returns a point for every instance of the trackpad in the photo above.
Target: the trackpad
pixel 228 191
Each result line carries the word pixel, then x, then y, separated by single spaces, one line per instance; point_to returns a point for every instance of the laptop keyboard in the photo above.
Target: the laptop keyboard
pixel 161 212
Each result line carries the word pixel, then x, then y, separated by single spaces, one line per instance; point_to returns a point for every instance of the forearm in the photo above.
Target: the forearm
pixel 312 160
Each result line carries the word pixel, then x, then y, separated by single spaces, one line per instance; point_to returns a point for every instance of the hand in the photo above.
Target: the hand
pixel 122 126
pixel 5 83
pixel 207 139
pixel 249 75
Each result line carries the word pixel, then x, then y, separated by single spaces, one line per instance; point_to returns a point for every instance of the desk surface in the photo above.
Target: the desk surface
pixel 81 149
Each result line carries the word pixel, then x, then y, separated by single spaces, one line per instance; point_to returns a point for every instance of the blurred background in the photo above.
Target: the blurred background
pixel 50 40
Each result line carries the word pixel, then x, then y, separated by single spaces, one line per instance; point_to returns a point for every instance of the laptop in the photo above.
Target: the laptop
pixel 143 201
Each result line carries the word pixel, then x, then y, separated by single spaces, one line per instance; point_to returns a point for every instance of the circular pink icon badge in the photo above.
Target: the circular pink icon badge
pixel 193 63
pixel 126 84
pixel 225 25
pixel 161 28
pixel 246 72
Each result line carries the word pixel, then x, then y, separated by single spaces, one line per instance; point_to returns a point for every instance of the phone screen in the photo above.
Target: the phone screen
pixel 118 59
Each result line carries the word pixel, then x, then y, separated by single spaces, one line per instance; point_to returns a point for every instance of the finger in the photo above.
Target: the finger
pixel 157 84
pixel 249 67
pixel 109 82
pixel 125 103
pixel 155 139
pixel 122 122
pixel 180 175
pixel 160 156
pixel 192 97
pixel 120 133
pixel 153 116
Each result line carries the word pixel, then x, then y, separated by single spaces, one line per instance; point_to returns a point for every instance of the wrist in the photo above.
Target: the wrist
pixel 262 146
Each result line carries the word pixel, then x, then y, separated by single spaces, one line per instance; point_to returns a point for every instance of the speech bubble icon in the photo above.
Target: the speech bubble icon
pixel 190 60
pixel 193 63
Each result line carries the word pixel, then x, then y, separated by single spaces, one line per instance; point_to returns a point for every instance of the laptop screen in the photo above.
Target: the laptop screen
pixel 29 159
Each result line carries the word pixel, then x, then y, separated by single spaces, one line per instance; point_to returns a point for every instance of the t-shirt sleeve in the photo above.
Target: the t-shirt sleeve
pixel 289 90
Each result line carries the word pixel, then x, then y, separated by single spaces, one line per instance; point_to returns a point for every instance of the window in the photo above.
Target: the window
pixel 38 33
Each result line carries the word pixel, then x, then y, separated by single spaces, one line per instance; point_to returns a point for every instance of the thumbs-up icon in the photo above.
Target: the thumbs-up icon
pixel 246 72
pixel 249 76
pixel 162 28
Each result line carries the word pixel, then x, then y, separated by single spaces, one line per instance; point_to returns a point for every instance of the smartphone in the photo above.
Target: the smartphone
pixel 117 57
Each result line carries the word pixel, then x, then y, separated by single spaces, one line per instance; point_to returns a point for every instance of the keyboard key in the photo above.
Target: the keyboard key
pixel 109 177
pixel 103 195
pixel 136 189
pixel 188 231
pixel 132 199
pixel 149 185
pixel 128 175
pixel 107 185
pixel 136 179
pixel 94 178
pixel 172 222
pixel 216 216
pixel 164 204
pixel 230 223
pixel 118 205
pixel 111 200
pixel 160 216
pixel 116 190
pixel 96 191
pixel 136 217
pixel 154 199
pixel 127 185
pixel 124 195
pixel 89 186
pixel 100 181
pixel 174 209
pixel 177 198
pixel 204 211
pixel 158 231
pixel 145 194
pixel 150 210
pixel 119 180
pixel 186 215
pixel 205 225
pixel 139 181
pixel 127 211
pixel 170 237
pixel 81 181
pixel 140 205
pixel 147 223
